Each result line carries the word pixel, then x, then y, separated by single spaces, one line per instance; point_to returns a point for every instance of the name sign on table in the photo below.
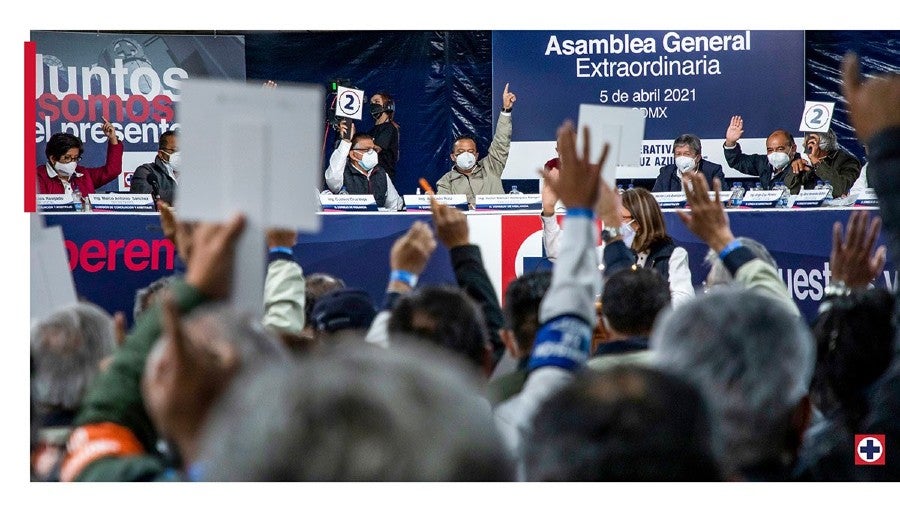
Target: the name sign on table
pixel 761 198
pixel 490 202
pixel 724 196
pixel 421 202
pixel 55 203
pixel 670 199
pixel 810 198
pixel 349 203
pixel 121 202
pixel 866 198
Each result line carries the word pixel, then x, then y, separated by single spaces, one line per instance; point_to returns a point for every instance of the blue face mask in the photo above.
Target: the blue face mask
pixel 369 160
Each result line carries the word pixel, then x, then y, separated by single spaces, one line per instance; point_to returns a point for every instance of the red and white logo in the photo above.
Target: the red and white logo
pixel 869 449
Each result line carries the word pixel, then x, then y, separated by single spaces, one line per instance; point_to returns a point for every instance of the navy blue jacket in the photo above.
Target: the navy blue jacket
pixel 668 180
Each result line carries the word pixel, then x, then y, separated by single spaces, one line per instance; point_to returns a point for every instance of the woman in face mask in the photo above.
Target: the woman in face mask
pixel 62 174
pixel 386 132
pixel 637 222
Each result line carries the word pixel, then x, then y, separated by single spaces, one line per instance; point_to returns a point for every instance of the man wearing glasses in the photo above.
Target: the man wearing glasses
pixel 353 167
pixel 164 167
pixel 62 174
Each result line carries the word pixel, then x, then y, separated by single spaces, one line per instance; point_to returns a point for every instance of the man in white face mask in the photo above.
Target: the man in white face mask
pixel 63 175
pixel 471 176
pixel 688 160
pixel 165 167
pixel 774 166
pixel 354 166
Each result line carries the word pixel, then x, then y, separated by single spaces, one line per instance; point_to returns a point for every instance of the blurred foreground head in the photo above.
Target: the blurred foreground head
pixel 360 413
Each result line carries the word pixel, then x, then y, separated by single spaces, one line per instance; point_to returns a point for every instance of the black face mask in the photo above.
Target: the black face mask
pixel 376 110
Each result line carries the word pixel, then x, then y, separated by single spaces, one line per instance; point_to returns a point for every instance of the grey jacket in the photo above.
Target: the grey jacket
pixel 485 176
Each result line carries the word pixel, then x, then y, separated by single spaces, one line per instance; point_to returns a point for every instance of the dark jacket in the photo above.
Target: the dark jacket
pixel 387 137
pixel 757 165
pixel 839 167
pixel 167 185
pixel 668 180
pixel 376 184
pixel 472 277
pixel 617 256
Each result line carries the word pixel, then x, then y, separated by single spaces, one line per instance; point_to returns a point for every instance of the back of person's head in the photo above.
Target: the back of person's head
pixel 60 143
pixel 632 299
pixel 753 360
pixel 626 423
pixel 446 316
pixel 67 347
pixel 146 296
pixel 645 210
pixel 343 309
pixel 854 338
pixel 719 273
pixel 521 307
pixel 360 414
pixel 319 284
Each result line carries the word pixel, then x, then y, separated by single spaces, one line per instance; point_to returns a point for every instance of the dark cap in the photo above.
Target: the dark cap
pixel 346 308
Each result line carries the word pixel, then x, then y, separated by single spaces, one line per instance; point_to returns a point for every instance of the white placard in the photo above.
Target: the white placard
pixel 809 198
pixel 422 201
pixel 724 196
pixel 55 203
pixel 52 287
pixel 121 203
pixel 254 151
pixel 866 198
pixel 817 116
pixel 348 203
pixel 621 127
pixel 508 202
pixel 349 103
pixel 670 199
pixel 761 198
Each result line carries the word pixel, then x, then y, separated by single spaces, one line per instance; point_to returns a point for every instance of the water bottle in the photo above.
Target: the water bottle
pixel 737 195
pixel 758 186
pixel 631 186
pixel 830 194
pixel 343 192
pixel 77 200
pixel 785 195
pixel 819 185
pixel 620 189
pixel 515 190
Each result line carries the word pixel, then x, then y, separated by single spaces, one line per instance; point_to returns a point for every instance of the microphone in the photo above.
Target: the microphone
pixel 154 184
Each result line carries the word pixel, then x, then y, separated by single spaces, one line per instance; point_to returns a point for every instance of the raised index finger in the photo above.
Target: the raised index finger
pixel 506 89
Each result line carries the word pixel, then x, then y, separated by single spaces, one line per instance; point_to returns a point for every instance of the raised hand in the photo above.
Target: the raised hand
pixel 212 257
pixel 276 237
pixel 734 131
pixel 110 131
pixel 412 250
pixel 852 260
pixel 707 218
pixel 452 225
pixel 874 104
pixel 577 182
pixel 508 97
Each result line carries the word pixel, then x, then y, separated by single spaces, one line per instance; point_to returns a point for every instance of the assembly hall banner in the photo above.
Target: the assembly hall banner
pixel 132 80
pixel 682 81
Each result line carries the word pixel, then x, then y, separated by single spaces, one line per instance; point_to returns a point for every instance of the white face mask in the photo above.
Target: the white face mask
pixel 778 159
pixel 684 163
pixel 65 169
pixel 628 233
pixel 369 160
pixel 465 161
pixel 175 160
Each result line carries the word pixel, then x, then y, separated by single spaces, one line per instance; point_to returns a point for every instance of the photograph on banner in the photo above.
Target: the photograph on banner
pixel 132 80
pixel 681 81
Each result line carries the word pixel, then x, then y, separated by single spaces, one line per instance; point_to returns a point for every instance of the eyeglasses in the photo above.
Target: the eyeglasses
pixel 364 150
pixel 65 159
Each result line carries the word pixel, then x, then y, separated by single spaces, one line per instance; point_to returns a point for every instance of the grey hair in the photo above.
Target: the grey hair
pixel 753 360
pixel 690 140
pixel 358 414
pixel 827 140
pixel 144 297
pixel 719 274
pixel 244 331
pixel 67 348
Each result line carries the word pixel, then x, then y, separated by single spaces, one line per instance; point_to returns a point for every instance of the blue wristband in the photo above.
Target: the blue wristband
pixel 732 245
pixel 282 249
pixel 587 213
pixel 404 277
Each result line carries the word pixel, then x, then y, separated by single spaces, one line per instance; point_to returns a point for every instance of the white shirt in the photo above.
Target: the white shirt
pixel 334 177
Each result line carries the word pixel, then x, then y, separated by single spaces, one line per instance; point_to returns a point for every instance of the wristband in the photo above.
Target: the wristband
pixel 506 110
pixel 587 213
pixel 404 277
pixel 732 245
pixel 282 249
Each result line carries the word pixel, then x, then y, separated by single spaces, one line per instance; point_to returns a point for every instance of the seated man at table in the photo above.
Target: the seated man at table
pixel 471 176
pixel 354 166
pixel 774 166
pixel 164 167
pixel 688 160
pixel 63 175
pixel 827 162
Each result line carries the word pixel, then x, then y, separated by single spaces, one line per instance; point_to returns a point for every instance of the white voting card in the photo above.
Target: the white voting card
pixel 621 127
pixel 52 287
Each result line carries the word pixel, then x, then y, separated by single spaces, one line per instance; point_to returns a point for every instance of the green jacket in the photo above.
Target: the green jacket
pixel 840 168
pixel 485 176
